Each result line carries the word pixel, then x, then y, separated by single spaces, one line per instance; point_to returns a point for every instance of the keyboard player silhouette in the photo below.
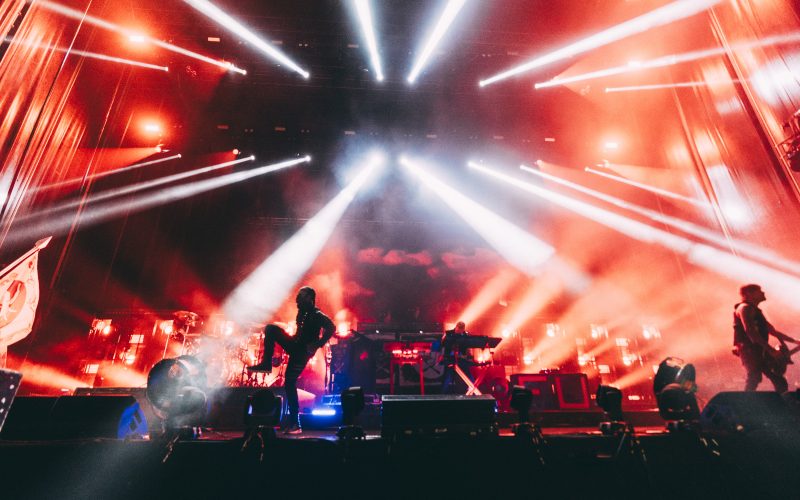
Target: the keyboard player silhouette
pixel 455 357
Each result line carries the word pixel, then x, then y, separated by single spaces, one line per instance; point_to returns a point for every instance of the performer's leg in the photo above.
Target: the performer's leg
pixel 296 365
pixel 751 363
pixel 778 381
pixel 272 334
pixel 447 379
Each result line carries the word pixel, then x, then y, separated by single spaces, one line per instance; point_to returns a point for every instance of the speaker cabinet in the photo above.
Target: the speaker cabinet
pixel 744 411
pixel 555 391
pixel 415 415
pixel 70 417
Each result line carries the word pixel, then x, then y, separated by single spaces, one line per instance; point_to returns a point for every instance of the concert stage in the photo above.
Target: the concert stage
pixel 572 459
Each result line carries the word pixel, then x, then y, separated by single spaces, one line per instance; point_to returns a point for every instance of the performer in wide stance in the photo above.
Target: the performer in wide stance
pixel 314 329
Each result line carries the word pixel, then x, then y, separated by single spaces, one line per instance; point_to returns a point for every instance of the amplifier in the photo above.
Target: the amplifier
pixel 555 391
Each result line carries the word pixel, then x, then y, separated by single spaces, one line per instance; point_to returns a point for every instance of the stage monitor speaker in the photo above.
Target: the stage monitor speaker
pixel 745 411
pixel 29 418
pixel 70 417
pixel 555 391
pixel 436 415
pixel 9 385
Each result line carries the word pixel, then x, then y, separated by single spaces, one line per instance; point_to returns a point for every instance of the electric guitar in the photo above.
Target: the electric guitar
pixel 778 359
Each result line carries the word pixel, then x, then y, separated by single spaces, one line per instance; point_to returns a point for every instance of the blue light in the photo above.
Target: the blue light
pixel 323 412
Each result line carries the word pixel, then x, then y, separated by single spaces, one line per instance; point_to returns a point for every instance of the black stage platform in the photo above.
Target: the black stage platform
pixel 572 462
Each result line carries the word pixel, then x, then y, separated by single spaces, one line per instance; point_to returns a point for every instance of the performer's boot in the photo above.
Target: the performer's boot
pixel 293 425
pixel 265 366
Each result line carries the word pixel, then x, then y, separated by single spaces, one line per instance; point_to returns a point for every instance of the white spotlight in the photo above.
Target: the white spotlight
pixel 237 28
pixel 521 249
pixel 262 293
pixel 659 17
pixel 367 26
pixel 449 14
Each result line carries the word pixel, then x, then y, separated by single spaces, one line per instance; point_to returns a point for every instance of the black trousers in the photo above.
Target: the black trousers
pixel 753 362
pixel 450 380
pixel 298 359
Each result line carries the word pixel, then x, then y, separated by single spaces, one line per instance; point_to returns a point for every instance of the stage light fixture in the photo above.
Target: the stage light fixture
pixel 101 23
pixel 521 249
pixel 176 391
pixel 674 387
pixel 262 409
pixel 364 13
pixel 521 400
pixel 235 27
pixel 86 54
pixel 610 400
pixel 352 400
pixel 661 16
pixel 448 15
pixel 259 295
pixel 708 257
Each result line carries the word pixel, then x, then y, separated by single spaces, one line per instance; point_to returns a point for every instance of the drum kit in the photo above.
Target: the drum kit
pixel 223 350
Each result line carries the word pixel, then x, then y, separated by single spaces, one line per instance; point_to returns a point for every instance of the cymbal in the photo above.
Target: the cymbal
pixel 186 316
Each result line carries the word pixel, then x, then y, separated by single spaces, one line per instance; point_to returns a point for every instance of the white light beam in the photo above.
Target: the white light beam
pixel 260 295
pixel 368 27
pixel 237 28
pixel 675 11
pixel 449 14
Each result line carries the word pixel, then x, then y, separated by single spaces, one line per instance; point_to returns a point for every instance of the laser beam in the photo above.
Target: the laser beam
pixel 448 15
pixel 675 11
pixel 239 29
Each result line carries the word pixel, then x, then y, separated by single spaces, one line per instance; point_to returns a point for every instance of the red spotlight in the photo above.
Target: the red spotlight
pixel 235 151
pixel 153 128
pixel 137 38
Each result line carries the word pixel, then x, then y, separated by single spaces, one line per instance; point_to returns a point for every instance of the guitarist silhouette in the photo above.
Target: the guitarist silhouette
pixel 751 332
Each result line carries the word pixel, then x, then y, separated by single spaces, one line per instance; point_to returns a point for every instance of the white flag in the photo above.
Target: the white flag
pixel 19 296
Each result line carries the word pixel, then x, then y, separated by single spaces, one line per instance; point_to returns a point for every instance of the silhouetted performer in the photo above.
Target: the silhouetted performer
pixel 314 329
pixel 453 355
pixel 751 332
